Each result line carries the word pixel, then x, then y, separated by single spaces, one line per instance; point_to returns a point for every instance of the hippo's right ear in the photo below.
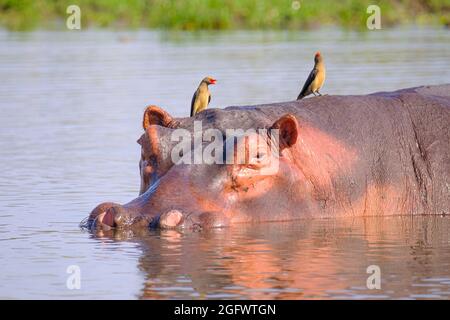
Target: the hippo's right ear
pixel 288 130
pixel 156 115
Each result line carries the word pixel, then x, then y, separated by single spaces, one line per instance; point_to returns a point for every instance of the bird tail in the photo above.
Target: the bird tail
pixel 300 96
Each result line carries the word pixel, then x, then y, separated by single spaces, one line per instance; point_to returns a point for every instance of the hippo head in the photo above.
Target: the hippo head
pixel 210 177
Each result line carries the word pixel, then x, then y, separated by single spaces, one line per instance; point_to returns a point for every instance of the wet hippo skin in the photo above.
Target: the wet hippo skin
pixel 386 153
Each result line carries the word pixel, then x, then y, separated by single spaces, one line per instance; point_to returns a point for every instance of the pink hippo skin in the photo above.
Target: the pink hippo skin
pixel 378 154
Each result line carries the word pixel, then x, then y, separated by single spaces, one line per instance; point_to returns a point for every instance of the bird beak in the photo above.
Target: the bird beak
pixel 212 81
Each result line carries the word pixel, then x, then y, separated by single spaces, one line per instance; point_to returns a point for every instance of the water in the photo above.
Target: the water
pixel 70 112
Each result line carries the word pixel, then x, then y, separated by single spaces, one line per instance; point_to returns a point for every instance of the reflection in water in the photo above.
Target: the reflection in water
pixel 70 112
pixel 302 260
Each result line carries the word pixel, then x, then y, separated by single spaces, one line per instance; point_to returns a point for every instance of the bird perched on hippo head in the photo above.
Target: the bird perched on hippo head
pixel 316 78
pixel 202 96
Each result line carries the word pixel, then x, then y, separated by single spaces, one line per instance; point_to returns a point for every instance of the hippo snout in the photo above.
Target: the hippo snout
pixel 120 217
pixel 113 215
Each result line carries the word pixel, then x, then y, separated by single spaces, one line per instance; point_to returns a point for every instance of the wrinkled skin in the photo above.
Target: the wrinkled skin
pixel 379 154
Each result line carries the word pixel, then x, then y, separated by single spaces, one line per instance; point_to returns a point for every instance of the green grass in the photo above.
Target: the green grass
pixel 220 14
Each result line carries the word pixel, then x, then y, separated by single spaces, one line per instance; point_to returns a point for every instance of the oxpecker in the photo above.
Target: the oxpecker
pixel 315 79
pixel 202 96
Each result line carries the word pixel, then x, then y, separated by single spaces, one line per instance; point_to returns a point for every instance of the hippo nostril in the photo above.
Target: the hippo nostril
pixel 109 217
pixel 123 218
pixel 170 219
pixel 113 217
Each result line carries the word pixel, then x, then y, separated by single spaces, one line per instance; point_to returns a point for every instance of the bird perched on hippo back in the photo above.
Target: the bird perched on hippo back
pixel 202 96
pixel 315 79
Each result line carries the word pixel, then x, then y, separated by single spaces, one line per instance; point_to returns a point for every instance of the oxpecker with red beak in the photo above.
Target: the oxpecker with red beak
pixel 202 96
pixel 315 79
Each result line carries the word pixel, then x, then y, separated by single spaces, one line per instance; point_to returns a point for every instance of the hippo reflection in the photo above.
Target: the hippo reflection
pixel 318 258
pixel 378 154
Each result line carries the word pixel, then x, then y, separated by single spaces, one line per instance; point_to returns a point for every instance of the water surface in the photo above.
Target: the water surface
pixel 70 112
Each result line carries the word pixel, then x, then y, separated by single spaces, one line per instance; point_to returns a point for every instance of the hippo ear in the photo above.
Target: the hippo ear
pixel 156 115
pixel 140 140
pixel 288 130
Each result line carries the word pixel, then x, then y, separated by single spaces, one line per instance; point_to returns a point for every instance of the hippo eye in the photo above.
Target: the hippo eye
pixel 260 155
pixel 257 160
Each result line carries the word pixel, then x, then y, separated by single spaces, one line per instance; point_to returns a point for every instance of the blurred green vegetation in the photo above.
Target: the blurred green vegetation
pixel 220 14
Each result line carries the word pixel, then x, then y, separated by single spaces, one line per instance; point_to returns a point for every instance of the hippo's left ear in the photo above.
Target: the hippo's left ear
pixel 288 130
pixel 156 115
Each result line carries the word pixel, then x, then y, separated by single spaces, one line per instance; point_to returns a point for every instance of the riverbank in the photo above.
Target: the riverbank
pixel 220 14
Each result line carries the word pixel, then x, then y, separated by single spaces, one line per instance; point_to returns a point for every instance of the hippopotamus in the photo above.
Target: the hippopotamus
pixel 386 153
